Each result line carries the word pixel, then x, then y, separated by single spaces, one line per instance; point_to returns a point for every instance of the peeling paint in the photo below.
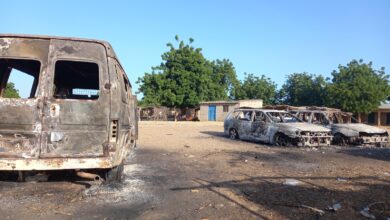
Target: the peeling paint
pixel 5 43
pixel 56 136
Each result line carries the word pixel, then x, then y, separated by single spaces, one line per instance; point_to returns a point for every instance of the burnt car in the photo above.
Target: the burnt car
pixel 342 126
pixel 80 113
pixel 275 127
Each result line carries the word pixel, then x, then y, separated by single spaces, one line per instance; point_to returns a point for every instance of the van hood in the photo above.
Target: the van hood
pixel 304 127
pixel 358 127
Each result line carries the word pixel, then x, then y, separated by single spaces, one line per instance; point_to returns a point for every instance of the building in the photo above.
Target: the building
pixel 218 110
pixel 380 117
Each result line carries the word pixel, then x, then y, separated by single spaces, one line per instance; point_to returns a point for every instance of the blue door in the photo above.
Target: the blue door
pixel 212 112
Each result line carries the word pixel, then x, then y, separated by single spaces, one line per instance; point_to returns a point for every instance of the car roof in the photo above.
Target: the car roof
pixel 259 109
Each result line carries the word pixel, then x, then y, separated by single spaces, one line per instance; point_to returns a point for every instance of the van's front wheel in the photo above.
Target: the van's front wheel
pixel 114 174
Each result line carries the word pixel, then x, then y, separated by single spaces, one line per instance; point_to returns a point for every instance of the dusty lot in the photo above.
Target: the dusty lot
pixel 191 171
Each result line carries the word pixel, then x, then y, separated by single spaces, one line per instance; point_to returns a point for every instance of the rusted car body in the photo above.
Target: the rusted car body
pixel 344 131
pixel 275 127
pixel 80 114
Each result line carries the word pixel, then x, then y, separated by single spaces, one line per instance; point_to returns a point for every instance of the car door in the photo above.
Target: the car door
pixel 245 124
pixel 260 125
pixel 77 105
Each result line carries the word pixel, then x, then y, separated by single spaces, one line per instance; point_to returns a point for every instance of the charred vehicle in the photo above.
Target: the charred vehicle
pixel 343 130
pixel 276 127
pixel 80 113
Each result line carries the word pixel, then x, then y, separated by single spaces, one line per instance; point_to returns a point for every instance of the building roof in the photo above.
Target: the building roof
pixel 230 102
pixel 218 102
pixel 384 106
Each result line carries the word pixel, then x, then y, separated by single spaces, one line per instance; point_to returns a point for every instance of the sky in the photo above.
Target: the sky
pixel 274 38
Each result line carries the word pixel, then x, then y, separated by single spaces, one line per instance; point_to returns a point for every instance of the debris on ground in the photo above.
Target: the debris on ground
pixel 365 213
pixel 335 207
pixel 366 210
pixel 318 211
pixel 292 182
pixel 194 190
pixel 342 179
pixel 187 146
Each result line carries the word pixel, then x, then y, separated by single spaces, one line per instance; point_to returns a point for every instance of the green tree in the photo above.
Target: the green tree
pixel 358 87
pixel 10 91
pixel 254 87
pixel 303 89
pixel 186 77
pixel 224 79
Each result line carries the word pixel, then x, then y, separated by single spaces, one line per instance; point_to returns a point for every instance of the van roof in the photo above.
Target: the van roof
pixel 110 51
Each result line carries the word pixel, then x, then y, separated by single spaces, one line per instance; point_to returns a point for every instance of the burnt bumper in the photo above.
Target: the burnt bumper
pixel 312 139
pixel 54 163
pixel 371 140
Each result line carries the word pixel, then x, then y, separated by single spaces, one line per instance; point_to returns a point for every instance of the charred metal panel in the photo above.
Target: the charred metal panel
pixel 341 126
pixel 76 127
pixel 48 131
pixel 21 119
pixel 267 130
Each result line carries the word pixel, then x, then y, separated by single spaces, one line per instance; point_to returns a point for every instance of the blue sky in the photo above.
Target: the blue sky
pixel 274 38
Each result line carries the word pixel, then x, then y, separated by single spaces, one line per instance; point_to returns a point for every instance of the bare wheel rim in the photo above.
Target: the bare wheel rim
pixel 280 140
pixel 233 134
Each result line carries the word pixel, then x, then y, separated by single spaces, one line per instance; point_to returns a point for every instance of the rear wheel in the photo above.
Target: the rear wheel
pixel 233 134
pixel 114 174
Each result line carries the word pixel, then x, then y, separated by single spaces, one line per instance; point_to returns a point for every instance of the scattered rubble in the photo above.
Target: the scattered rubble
pixel 292 182
pixel 335 207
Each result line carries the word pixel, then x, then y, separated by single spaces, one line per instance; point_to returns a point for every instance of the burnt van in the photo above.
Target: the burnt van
pixel 80 113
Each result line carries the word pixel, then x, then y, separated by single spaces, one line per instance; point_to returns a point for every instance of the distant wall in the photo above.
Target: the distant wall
pixel 229 107
pixel 220 114
pixel 254 103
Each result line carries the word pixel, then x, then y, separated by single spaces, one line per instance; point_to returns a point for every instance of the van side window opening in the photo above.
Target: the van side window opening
pixel 23 74
pixel 127 88
pixel 76 80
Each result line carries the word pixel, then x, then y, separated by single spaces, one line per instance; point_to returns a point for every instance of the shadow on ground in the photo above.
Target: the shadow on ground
pixel 373 153
pixel 215 133
pixel 305 200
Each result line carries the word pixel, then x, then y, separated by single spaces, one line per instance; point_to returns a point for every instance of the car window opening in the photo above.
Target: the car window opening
pixel 282 117
pixel 76 80
pixel 22 74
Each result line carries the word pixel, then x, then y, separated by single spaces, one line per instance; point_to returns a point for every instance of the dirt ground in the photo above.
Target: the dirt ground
pixel 190 170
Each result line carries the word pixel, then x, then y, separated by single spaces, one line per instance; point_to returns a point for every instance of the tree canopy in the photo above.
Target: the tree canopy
pixel 186 77
pixel 10 91
pixel 358 87
pixel 254 87
pixel 303 89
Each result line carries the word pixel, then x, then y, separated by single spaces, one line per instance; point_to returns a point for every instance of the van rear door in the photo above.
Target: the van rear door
pixel 77 107
pixel 22 61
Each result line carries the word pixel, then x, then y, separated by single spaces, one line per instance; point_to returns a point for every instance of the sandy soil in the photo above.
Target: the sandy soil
pixel 190 170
